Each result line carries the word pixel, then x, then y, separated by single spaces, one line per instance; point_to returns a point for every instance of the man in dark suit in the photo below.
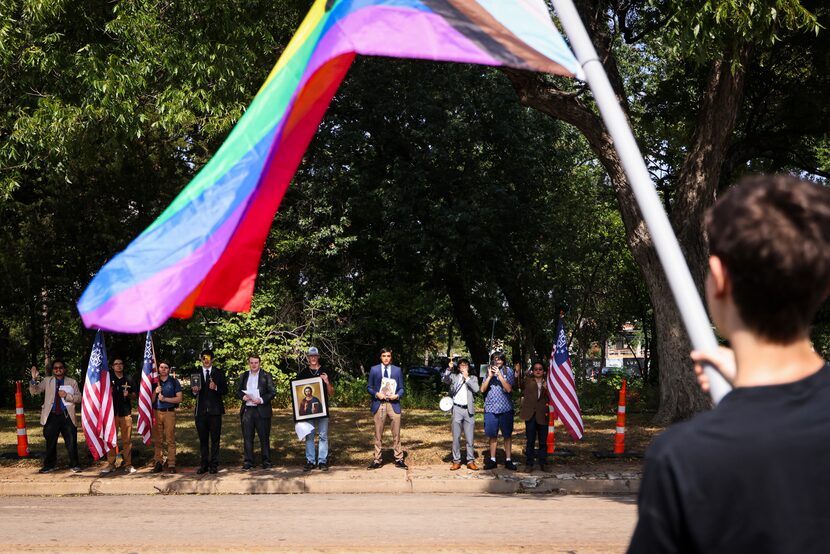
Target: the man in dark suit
pixel 386 404
pixel 209 410
pixel 256 390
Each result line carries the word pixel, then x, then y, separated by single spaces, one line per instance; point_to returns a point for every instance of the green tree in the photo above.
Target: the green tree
pixel 709 88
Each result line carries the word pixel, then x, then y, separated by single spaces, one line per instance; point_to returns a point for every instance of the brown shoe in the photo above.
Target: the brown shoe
pixel 455 466
pixel 472 466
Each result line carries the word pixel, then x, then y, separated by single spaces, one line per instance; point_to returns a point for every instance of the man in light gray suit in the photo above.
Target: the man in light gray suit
pixel 463 387
pixel 57 415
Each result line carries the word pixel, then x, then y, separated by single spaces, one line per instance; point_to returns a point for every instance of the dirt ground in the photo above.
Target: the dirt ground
pixel 425 436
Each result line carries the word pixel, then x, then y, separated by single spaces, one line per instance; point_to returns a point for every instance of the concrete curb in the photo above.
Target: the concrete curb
pixel 340 481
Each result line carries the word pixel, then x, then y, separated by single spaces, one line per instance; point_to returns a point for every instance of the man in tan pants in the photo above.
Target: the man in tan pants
pixel 167 395
pixel 386 389
pixel 123 391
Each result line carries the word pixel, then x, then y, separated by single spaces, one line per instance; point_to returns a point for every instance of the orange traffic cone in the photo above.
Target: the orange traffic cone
pixel 551 436
pixel 619 438
pixel 22 438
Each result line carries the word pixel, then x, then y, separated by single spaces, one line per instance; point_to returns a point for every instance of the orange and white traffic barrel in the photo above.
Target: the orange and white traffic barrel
pixel 22 438
pixel 619 437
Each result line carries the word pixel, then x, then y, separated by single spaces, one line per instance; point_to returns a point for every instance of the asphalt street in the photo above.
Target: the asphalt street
pixel 389 523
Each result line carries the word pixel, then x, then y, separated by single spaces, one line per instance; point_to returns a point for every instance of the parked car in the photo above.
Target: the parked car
pixel 623 371
pixel 424 372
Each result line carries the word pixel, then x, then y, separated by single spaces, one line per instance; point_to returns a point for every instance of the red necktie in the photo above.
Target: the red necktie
pixel 58 408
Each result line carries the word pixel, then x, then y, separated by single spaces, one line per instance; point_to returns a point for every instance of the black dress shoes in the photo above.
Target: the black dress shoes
pixel 401 464
pixel 202 470
pixel 375 465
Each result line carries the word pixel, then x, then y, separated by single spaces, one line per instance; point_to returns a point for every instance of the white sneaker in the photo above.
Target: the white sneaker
pixel 107 470
pixel 131 469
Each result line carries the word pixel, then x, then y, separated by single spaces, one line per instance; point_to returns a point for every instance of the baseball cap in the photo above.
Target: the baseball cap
pixel 313 351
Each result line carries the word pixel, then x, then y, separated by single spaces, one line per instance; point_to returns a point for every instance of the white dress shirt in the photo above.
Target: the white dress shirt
pixel 461 396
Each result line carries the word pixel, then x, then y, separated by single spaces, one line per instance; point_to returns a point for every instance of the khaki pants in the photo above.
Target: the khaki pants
pixel 125 428
pixel 164 429
pixel 385 410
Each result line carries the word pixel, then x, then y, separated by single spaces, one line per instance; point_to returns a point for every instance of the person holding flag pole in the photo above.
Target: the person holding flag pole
pixel 166 396
pixel 561 388
pixel 97 416
pixel 122 393
pixel 146 421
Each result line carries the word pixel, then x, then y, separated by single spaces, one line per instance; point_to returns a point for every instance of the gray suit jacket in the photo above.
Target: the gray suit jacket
pixel 455 380
pixel 47 386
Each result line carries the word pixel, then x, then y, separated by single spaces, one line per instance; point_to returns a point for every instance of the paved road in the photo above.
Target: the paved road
pixel 414 523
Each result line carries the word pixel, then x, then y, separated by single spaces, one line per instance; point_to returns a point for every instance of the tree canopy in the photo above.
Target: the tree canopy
pixel 435 198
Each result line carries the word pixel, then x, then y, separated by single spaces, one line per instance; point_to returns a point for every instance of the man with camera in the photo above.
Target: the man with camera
pixel 463 388
pixel 58 414
pixel 498 409
pixel 210 407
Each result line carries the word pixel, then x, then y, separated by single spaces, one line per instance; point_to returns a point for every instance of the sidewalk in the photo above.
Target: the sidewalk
pixel 25 481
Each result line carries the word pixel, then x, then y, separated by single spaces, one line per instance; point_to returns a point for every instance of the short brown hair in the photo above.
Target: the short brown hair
pixel 772 232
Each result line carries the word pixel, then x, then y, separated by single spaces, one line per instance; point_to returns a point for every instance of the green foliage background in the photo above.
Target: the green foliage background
pixel 424 179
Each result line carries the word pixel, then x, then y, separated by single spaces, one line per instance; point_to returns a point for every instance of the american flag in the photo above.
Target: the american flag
pixel 561 387
pixel 145 393
pixel 97 415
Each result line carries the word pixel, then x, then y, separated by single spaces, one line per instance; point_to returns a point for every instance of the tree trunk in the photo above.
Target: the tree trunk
pixel 523 311
pixel 467 323
pixel 700 174
pixel 47 329
pixel 696 185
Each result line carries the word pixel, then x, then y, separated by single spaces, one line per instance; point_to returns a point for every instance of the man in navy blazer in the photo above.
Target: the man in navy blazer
pixel 386 402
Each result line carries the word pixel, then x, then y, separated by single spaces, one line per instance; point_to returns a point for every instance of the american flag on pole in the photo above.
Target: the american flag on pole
pixel 97 415
pixel 561 387
pixel 145 392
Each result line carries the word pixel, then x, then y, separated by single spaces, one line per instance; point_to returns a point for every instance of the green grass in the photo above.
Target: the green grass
pixel 425 436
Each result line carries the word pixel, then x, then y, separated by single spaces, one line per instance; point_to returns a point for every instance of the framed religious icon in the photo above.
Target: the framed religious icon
pixel 309 399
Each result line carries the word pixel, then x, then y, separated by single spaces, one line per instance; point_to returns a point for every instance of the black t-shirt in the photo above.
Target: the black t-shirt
pixel 308 373
pixel 121 406
pixel 752 475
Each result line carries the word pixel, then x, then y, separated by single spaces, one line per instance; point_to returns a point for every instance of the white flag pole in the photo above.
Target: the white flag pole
pixel 665 243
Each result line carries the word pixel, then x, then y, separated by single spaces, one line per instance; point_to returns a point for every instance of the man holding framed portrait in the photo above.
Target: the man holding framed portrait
pixel 311 405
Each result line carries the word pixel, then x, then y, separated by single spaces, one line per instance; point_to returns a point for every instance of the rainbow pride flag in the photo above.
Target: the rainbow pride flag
pixel 205 248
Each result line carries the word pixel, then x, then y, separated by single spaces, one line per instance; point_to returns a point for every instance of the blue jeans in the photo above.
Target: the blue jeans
pixel 321 427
